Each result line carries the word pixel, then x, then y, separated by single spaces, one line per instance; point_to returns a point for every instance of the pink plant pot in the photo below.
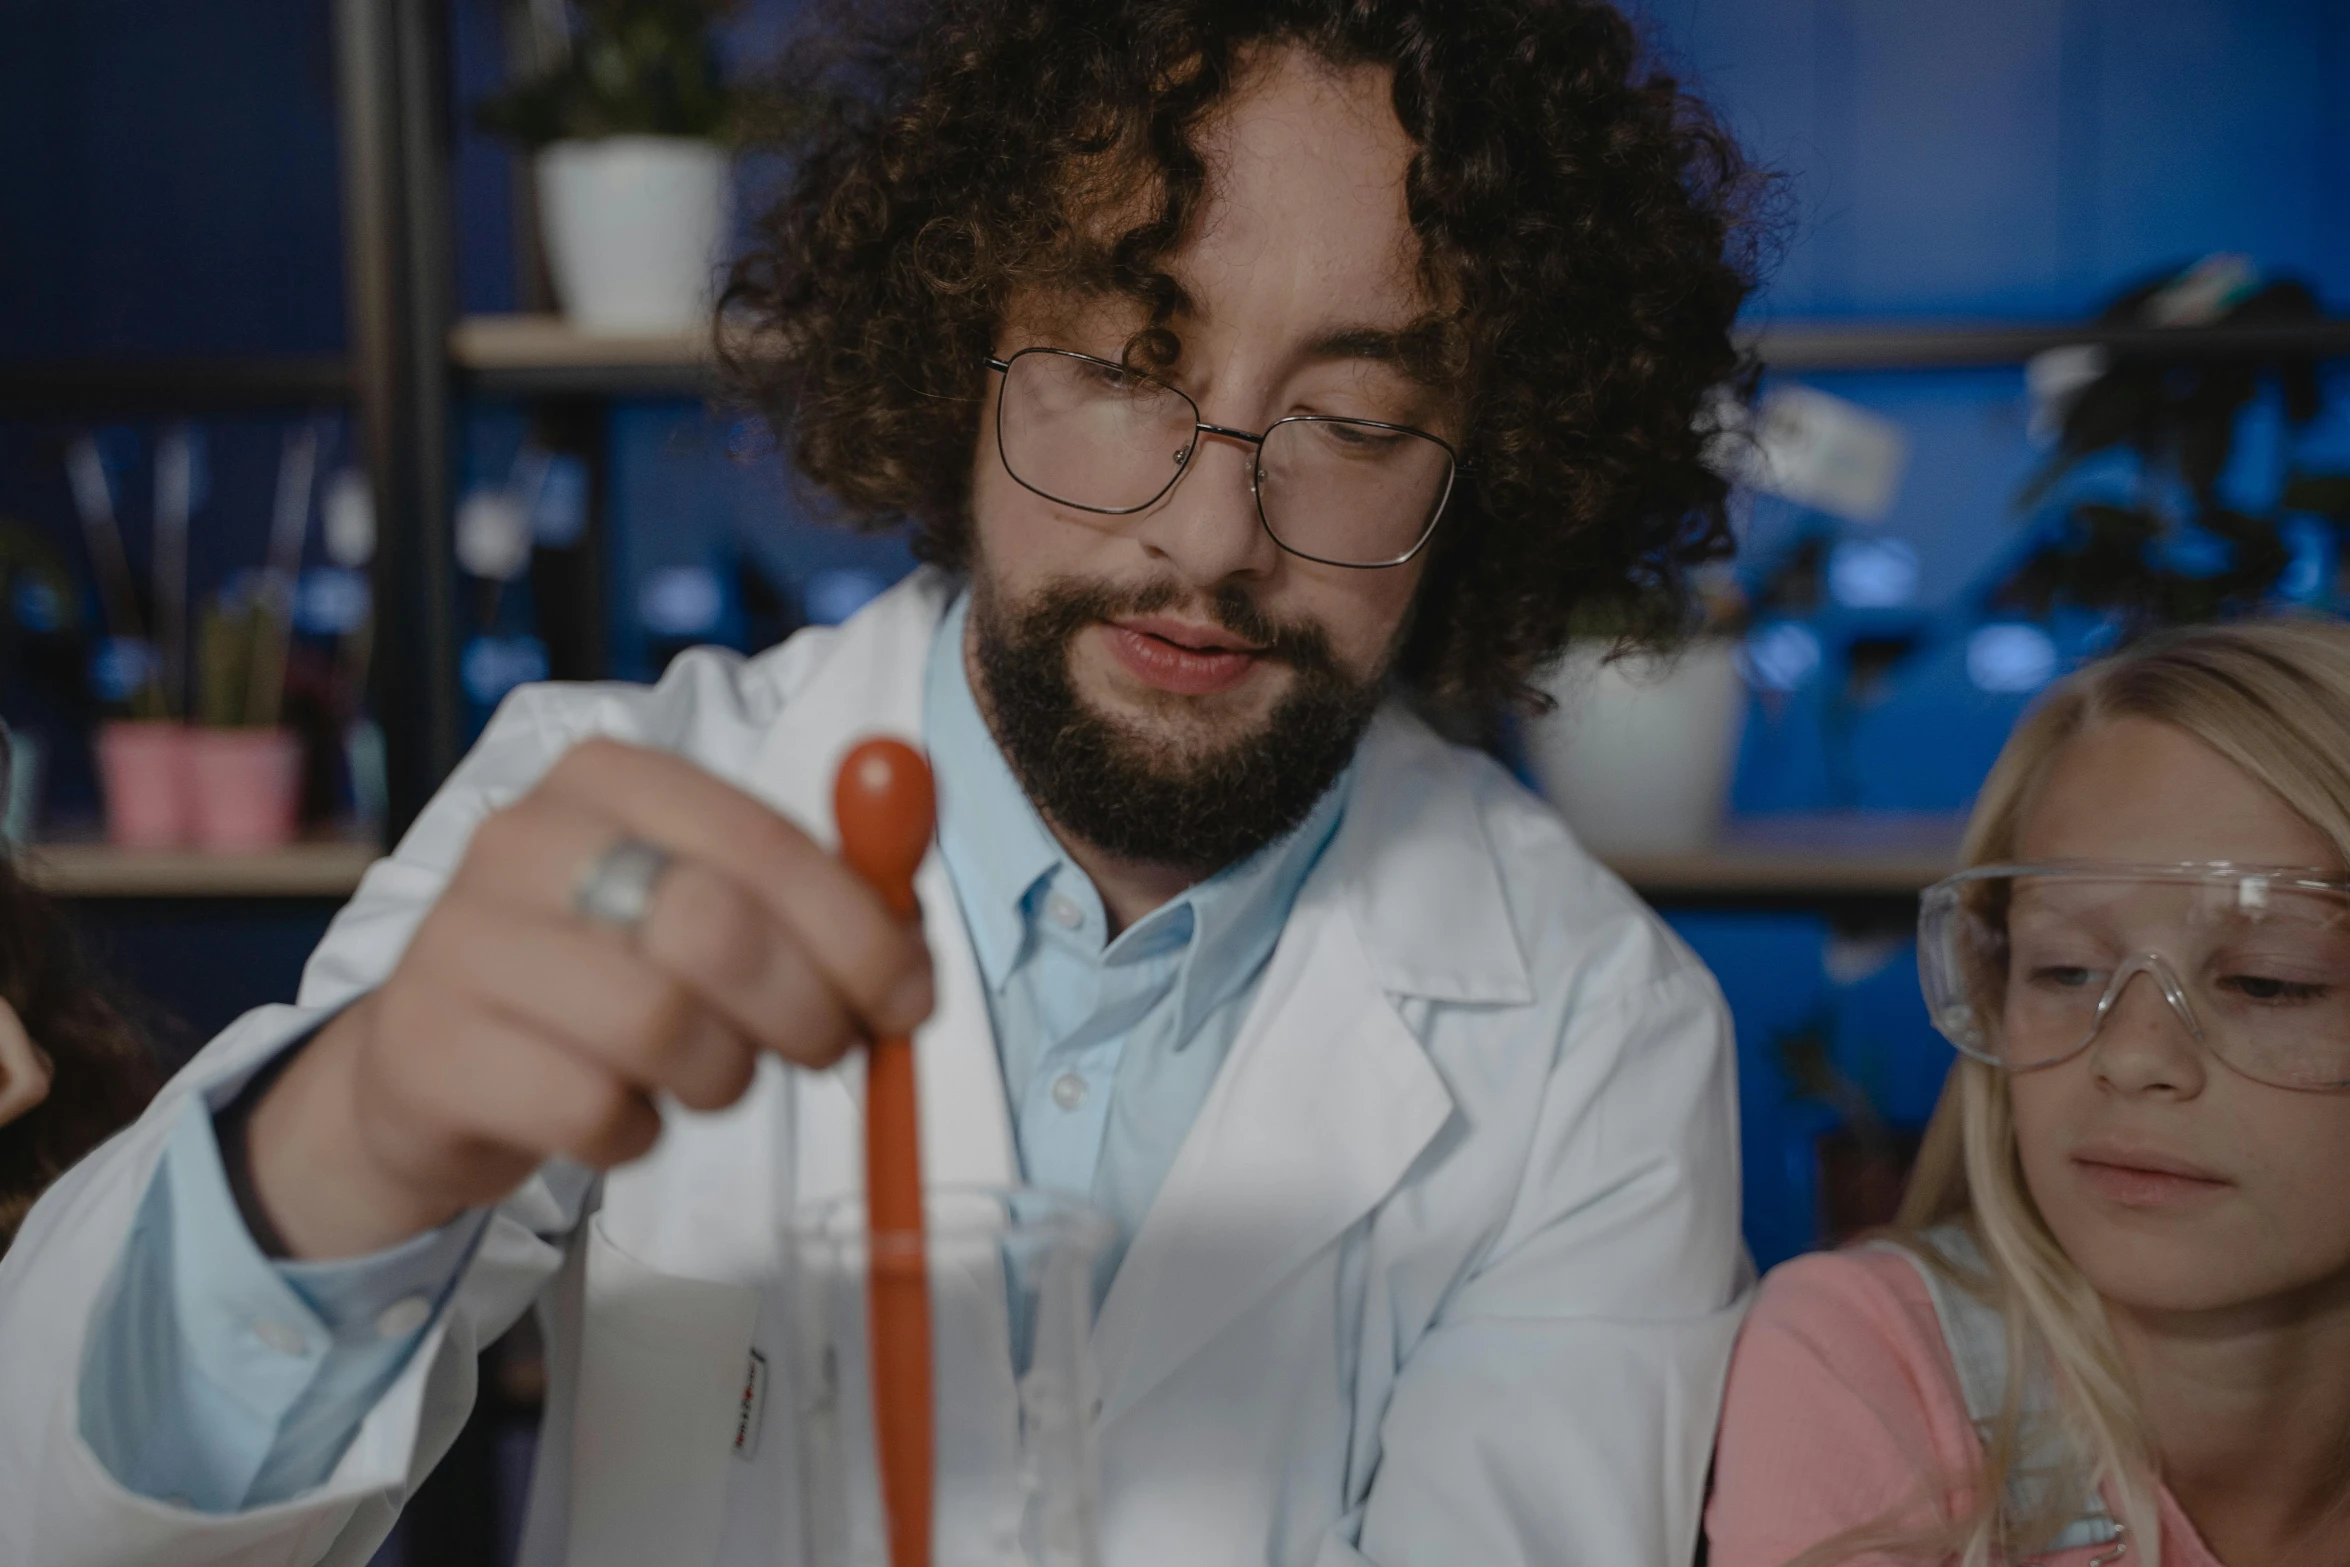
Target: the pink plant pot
pixel 145 766
pixel 248 785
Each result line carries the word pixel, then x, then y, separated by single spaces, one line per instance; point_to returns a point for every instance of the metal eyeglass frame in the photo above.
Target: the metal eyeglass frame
pixel 1200 426
pixel 1941 901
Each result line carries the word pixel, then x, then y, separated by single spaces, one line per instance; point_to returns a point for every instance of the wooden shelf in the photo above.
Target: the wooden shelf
pixel 1880 860
pixel 329 869
pixel 88 388
pixel 1934 345
pixel 546 356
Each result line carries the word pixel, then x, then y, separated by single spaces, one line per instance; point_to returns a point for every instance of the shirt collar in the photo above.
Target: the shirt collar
pixel 1004 858
pixel 1239 912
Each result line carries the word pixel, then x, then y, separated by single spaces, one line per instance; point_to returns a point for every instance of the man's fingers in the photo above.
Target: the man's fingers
pixel 523 1090
pixel 872 960
pixel 573 985
pixel 702 926
pixel 706 930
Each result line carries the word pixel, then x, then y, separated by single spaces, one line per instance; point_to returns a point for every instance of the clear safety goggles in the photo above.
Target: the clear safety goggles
pixel 2022 964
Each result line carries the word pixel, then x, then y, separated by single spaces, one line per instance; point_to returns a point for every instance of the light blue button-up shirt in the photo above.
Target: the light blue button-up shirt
pixel 222 1380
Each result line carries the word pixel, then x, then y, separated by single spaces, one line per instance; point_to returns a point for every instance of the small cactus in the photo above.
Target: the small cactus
pixel 241 658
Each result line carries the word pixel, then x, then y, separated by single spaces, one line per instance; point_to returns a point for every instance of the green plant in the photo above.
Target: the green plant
pixel 240 661
pixel 2171 551
pixel 632 67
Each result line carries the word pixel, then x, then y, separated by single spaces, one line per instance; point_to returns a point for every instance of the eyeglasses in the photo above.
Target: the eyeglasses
pixel 1095 435
pixel 2022 964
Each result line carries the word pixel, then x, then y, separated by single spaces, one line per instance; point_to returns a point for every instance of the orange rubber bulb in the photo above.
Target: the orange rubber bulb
pixel 887 808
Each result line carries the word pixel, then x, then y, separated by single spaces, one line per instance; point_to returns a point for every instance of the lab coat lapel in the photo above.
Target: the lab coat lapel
pixel 1325 1101
pixel 1327 1097
pixel 868 682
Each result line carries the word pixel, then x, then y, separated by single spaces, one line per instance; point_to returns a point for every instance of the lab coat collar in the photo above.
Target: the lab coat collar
pixel 1420 871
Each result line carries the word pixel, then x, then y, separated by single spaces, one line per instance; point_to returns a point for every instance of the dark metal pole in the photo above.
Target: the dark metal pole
pixel 396 235
pixel 432 286
pixel 394 116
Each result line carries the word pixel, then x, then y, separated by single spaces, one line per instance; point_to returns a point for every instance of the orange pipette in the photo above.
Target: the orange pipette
pixel 886 809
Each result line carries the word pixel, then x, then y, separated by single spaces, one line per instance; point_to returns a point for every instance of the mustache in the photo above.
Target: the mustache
pixel 1066 605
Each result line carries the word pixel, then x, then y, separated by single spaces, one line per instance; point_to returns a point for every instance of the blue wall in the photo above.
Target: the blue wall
pixel 169 183
pixel 2017 158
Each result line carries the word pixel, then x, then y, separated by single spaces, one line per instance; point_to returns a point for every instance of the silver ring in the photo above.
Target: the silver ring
pixel 616 887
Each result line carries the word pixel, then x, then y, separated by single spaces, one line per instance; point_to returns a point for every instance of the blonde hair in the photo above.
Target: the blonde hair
pixel 2274 698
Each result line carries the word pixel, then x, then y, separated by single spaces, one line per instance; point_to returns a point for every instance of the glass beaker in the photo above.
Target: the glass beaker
pixel 1011 1319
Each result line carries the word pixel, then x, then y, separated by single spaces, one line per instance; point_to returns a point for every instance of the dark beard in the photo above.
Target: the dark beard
pixel 1144 799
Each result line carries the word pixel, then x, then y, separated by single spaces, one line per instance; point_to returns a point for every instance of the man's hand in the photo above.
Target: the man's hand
pixel 514 1029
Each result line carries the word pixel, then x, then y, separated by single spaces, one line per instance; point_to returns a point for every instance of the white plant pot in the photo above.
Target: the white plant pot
pixel 633 226
pixel 1637 755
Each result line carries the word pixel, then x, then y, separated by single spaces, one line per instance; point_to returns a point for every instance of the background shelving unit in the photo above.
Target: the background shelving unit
pixel 1853 867
pixel 312 872
pixel 534 356
pixel 302 881
pixel 413 361
pixel 1867 866
pixel 528 355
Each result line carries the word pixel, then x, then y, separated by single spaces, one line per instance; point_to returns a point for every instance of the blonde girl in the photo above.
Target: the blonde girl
pixel 2113 1323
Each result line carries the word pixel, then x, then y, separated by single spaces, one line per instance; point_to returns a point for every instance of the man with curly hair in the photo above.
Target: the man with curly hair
pixel 1249 374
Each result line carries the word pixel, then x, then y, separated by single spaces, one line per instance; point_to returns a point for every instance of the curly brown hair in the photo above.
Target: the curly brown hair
pixel 105 1071
pixel 1586 224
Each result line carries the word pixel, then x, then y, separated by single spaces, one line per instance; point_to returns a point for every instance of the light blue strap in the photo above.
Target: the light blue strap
pixel 1976 1336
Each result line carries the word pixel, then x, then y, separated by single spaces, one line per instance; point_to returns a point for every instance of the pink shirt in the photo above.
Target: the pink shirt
pixel 1842 1404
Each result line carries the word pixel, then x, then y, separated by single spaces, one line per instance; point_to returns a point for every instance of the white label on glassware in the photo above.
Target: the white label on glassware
pixel 753 1408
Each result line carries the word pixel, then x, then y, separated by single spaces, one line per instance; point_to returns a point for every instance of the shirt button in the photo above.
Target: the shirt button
pixel 1069 1090
pixel 1063 911
pixel 283 1337
pixel 403 1317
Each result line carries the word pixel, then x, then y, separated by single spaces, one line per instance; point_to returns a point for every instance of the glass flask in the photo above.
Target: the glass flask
pixel 1011 1284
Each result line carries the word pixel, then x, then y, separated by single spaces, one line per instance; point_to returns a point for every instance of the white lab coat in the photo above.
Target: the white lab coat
pixel 1446 1271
